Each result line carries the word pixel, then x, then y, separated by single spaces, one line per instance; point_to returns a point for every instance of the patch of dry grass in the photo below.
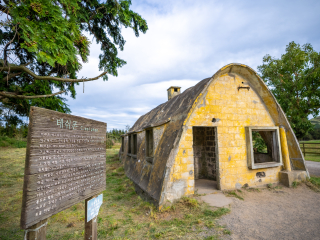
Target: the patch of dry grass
pixel 123 215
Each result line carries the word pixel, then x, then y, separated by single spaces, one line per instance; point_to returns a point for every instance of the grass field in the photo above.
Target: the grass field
pixel 123 214
pixel 310 156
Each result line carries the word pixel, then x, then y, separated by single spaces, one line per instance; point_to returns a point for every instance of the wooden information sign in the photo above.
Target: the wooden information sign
pixel 65 163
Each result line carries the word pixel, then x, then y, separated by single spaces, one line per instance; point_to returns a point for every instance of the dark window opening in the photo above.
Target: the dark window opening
pixel 134 144
pixel 149 143
pixel 176 89
pixel 129 144
pixel 122 144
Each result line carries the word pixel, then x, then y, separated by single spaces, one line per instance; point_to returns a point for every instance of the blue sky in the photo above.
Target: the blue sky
pixel 188 41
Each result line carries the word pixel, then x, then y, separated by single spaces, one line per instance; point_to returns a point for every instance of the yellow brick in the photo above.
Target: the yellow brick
pixel 177 161
pixel 188 138
pixel 190 183
pixel 237 123
pixel 242 170
pixel 185 175
pixel 215 95
pixel 176 176
pixel 241 105
pixel 223 157
pixel 215 109
pixel 183 168
pixel 176 168
pixel 233 129
pixel 184 160
pixel 241 143
pixel 232 144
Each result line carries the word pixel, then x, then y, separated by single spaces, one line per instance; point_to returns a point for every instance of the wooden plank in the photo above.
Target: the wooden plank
pixel 317 153
pixel 308 143
pixel 65 163
pixel 311 148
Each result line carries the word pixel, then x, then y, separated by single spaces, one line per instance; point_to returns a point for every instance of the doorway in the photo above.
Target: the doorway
pixel 205 158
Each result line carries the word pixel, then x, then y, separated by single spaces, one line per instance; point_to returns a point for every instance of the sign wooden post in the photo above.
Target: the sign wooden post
pixel 65 164
pixel 90 227
pixel 37 231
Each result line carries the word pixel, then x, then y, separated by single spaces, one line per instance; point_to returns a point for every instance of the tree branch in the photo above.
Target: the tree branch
pixel 14 95
pixel 13 67
pixel 4 9
pixel 6 46
pixel 10 76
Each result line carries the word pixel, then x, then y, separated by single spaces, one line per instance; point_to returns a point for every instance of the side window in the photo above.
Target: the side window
pixel 122 144
pixel 263 147
pixel 135 147
pixel 149 143
pixel 129 143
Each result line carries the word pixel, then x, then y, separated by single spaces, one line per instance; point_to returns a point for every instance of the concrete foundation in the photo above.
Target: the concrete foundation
pixel 287 178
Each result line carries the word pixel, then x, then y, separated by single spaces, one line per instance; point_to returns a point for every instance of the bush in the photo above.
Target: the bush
pixel 12 142
pixel 109 143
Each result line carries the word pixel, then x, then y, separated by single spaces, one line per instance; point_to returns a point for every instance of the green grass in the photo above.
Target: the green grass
pixel 310 156
pixel 123 215
pixel 234 194
pixel 12 142
pixel 314 183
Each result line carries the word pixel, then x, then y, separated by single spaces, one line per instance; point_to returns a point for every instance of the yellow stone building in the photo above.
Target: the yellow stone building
pixel 228 128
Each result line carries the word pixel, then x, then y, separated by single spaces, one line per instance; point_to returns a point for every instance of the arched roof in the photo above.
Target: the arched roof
pixel 178 105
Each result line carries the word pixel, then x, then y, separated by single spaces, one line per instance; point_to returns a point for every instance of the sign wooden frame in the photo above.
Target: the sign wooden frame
pixel 65 163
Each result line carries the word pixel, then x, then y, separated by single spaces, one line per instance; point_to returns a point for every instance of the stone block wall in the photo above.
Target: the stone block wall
pixel 204 153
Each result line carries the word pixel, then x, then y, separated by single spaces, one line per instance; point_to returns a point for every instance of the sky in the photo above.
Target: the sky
pixel 188 41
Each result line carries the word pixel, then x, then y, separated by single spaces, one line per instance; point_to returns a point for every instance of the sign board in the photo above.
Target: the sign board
pixel 93 207
pixel 65 163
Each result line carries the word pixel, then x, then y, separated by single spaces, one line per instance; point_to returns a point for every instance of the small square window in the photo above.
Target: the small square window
pixel 263 147
pixel 176 89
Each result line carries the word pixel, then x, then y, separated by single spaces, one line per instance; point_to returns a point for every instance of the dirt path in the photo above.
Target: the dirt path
pixel 275 214
pixel 314 168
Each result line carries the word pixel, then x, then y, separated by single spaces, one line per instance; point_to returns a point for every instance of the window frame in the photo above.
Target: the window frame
pixel 149 156
pixel 122 143
pixel 276 146
pixel 129 143
pixel 134 145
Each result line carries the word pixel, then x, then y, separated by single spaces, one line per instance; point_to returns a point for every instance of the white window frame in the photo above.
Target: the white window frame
pixel 277 155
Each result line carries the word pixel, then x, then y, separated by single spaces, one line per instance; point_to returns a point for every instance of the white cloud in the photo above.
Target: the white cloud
pixel 188 41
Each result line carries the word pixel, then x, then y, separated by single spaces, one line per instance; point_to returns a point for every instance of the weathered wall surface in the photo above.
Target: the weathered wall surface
pixel 136 167
pixel 233 110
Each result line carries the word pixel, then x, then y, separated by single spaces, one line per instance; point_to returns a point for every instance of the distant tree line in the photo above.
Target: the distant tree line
pixel 313 134
pixel 12 126
pixel 114 136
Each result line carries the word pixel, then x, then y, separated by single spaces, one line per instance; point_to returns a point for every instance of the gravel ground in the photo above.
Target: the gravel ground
pixel 275 214
pixel 314 168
